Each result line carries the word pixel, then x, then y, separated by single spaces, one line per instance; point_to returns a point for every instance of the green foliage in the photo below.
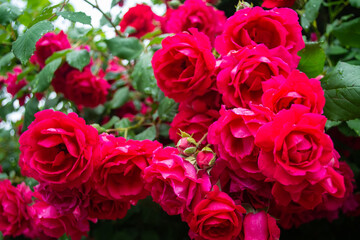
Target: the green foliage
pixel 348 33
pixel 121 96
pixel 30 110
pixel 311 12
pixel 6 60
pixel 312 59
pixel 167 109
pixel 43 79
pixel 8 13
pixel 355 3
pixel 24 46
pixel 149 133
pixel 78 58
pixel 342 92
pixel 125 48
pixel 76 17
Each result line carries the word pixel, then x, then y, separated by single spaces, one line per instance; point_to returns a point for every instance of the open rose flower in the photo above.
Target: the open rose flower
pixel 281 92
pixel 277 29
pixel 242 73
pixel 196 14
pixel 13 86
pixel 174 183
pixel 183 67
pixel 260 226
pixel 58 149
pixel 216 217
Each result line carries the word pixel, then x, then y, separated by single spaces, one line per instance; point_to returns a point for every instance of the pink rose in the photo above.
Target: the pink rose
pixel 281 92
pixel 85 89
pixel 174 183
pixel 242 73
pixel 58 149
pixel 14 86
pixel 14 218
pixel 277 29
pixel 183 67
pixel 277 3
pixel 47 45
pixel 118 174
pixel 260 226
pixel 140 17
pixel 196 14
pixel 216 217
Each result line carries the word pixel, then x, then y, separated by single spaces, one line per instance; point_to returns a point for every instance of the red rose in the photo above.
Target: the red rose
pixel 141 18
pixel 58 149
pixel 85 89
pixel 174 183
pixel 14 218
pixel 280 92
pixel 242 73
pixel 118 174
pixel 277 3
pixel 260 226
pixel 183 67
pixel 278 29
pixel 14 86
pixel 216 217
pixel 196 14
pixel 47 45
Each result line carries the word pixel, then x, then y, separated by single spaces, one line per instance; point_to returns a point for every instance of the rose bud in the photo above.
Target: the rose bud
pixel 186 146
pixel 205 158
pixel 260 226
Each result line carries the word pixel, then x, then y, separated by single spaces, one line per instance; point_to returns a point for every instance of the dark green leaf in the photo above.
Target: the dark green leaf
pixel 311 12
pixel 167 109
pixel 312 59
pixel 43 79
pixel 24 46
pixel 143 76
pixel 76 17
pixel 354 125
pixel 120 98
pixel 125 48
pixel 342 92
pixel 336 50
pixel 5 60
pixel 8 13
pixel 149 133
pixel 348 33
pixel 355 3
pixel 78 58
pixel 30 109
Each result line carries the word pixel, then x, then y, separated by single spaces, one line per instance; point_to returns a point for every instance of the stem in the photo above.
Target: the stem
pixel 202 139
pixel 138 124
pixel 106 16
pixel 62 7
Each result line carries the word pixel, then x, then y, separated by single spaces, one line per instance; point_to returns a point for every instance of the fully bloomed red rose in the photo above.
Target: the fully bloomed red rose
pixel 14 217
pixel 216 217
pixel 47 45
pixel 242 73
pixel 277 29
pixel 85 89
pixel 141 18
pixel 118 174
pixel 260 226
pixel 277 3
pixel 58 149
pixel 183 67
pixel 196 14
pixel 281 92
pixel 174 183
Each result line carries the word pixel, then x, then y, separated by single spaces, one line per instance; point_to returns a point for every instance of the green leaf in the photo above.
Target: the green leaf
pixel 167 109
pixel 348 33
pixel 312 59
pixel 311 12
pixel 111 122
pixel 354 125
pixel 143 76
pixel 125 48
pixel 30 109
pixel 78 58
pixel 76 17
pixel 355 3
pixel 149 133
pixel 329 124
pixel 24 46
pixel 43 79
pixel 336 50
pixel 120 97
pixel 104 21
pixel 342 92
pixel 114 2
pixel 8 13
pixel 58 54
pixel 123 123
pixel 6 59
pixel 158 39
pixel 46 13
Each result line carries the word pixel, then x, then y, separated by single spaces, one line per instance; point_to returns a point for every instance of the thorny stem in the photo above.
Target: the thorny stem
pixel 104 14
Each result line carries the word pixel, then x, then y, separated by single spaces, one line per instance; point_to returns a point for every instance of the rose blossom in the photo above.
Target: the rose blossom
pixel 14 86
pixel 47 45
pixel 183 67
pixel 277 3
pixel 277 29
pixel 140 17
pixel 58 149
pixel 260 226
pixel 242 73
pixel 281 92
pixel 118 174
pixel 216 217
pixel 174 183
pixel 13 209
pixel 196 14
